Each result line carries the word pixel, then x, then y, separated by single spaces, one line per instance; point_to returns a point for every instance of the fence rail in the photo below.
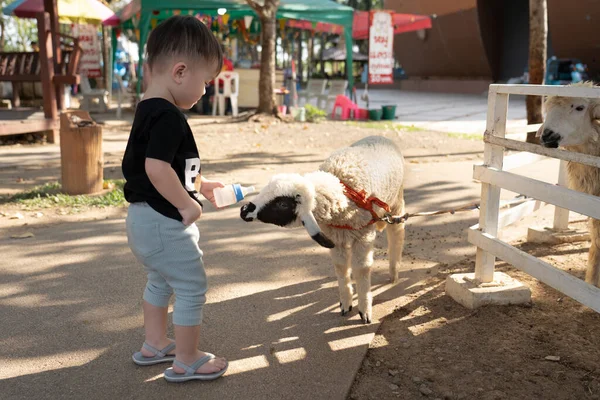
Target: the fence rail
pixel 494 177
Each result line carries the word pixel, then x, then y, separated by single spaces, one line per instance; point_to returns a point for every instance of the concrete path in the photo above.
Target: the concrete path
pixel 444 112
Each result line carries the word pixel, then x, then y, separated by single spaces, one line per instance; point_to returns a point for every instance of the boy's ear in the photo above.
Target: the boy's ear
pixel 178 72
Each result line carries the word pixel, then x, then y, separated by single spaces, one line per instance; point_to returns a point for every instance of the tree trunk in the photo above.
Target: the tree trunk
pixel 2 35
pixel 266 84
pixel 267 14
pixel 538 37
pixel 82 164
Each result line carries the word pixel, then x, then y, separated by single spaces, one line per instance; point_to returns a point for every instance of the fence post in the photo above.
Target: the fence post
pixel 490 194
pixel 561 215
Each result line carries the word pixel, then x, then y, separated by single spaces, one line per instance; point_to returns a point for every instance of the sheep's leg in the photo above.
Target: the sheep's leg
pixel 362 260
pixel 592 275
pixel 395 238
pixel 341 262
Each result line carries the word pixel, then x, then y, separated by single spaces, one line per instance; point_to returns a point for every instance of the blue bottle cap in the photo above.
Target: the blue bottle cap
pixel 237 189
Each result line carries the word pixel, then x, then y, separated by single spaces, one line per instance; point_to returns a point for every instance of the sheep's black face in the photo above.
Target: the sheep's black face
pixel 280 211
pixel 247 209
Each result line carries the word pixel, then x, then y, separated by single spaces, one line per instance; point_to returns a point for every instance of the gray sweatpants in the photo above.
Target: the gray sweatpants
pixel 170 254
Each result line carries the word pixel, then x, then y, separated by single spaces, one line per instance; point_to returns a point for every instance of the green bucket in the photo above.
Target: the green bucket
pixel 375 114
pixel 388 112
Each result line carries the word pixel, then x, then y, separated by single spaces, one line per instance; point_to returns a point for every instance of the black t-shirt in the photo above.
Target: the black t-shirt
pixel 159 131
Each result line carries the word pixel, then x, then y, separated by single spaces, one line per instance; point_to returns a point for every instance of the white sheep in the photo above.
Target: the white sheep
pixel 574 123
pixel 320 201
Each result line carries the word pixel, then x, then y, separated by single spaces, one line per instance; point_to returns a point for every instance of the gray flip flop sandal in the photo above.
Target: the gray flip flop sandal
pixel 160 356
pixel 190 371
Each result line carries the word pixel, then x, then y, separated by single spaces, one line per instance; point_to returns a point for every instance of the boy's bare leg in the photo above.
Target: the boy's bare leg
pixel 155 325
pixel 187 339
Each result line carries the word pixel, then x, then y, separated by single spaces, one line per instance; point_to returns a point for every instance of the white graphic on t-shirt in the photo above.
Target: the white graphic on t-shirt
pixel 192 167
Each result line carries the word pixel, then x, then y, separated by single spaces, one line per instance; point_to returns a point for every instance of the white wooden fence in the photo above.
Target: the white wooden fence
pixel 494 176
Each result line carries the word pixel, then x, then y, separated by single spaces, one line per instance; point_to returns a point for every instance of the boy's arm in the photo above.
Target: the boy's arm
pixel 166 181
pixel 207 187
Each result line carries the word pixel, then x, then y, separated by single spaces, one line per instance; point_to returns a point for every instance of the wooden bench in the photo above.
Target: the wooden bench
pixel 18 67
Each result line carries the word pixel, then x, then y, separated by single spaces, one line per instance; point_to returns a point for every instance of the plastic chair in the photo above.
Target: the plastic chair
pixel 223 89
pixel 94 100
pixel 344 108
pixel 338 87
pixel 314 89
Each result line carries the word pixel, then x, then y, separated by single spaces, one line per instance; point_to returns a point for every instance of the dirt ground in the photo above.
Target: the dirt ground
pixel 435 348
pixel 227 149
pixel 430 347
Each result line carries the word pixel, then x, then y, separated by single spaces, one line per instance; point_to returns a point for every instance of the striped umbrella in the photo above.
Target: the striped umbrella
pixel 91 11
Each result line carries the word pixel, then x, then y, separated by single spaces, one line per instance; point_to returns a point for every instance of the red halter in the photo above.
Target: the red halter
pixel 361 201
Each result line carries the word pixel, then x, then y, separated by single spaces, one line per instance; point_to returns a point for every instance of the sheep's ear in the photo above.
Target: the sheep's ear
pixel 595 111
pixel 596 131
pixel 311 226
pixel 323 240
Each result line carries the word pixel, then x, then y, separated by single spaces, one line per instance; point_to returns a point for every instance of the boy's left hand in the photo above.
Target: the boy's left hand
pixel 206 190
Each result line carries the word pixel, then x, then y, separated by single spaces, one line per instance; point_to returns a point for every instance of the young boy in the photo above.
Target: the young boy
pixel 160 165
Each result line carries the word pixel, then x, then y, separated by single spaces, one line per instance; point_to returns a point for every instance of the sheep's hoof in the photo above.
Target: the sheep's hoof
pixel 344 312
pixel 365 318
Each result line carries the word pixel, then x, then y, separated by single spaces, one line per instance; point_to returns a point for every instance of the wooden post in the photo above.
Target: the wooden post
pixel 561 215
pixel 52 10
pixel 16 97
pixel 311 51
pixel 107 68
pixel 490 194
pixel 300 47
pixel 292 46
pixel 80 154
pixel 323 41
pixel 47 71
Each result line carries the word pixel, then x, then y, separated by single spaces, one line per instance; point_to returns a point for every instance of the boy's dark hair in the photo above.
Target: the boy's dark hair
pixel 183 36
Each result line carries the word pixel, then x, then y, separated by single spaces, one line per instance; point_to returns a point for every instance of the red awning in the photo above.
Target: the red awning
pixel 402 23
pixel 360 27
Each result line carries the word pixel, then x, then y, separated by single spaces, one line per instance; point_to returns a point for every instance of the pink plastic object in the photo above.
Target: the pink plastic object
pixel 361 114
pixel 344 108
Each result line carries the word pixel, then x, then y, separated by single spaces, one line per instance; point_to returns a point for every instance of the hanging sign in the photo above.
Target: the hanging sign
pixel 381 47
pixel 89 64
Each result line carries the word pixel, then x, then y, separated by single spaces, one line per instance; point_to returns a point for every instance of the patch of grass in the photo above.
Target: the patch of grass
pixel 384 125
pixel 49 195
pixel 468 136
pixel 314 114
